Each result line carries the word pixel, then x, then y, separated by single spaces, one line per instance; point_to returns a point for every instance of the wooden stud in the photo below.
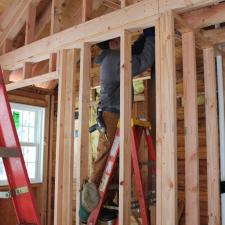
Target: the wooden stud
pixel 43 21
pixel 83 143
pixel 53 62
pixel 52 68
pixel 56 16
pixel 87 7
pixel 7 46
pixel 6 75
pixel 30 24
pixel 50 157
pixel 212 139
pixel 125 129
pixel 192 211
pixel 125 3
pixel 56 19
pixel 166 125
pixel 27 70
pixel 65 138
pixel 43 189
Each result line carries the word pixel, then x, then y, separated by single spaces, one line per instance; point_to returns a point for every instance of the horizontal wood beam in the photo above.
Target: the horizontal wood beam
pixel 216 36
pixel 31 81
pixel 140 15
pixel 183 5
pixel 202 41
pixel 206 16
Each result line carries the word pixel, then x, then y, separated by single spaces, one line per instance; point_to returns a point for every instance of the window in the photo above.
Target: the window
pixel 29 122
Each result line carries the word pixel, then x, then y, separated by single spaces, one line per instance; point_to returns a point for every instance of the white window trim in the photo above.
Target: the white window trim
pixel 40 121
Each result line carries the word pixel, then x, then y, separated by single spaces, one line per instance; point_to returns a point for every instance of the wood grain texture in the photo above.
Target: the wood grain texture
pixel 212 138
pixel 125 129
pixel 192 213
pixel 84 99
pixel 65 138
pixel 166 127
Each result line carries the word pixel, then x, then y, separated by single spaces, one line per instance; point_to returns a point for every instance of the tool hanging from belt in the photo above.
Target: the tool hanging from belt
pixel 100 124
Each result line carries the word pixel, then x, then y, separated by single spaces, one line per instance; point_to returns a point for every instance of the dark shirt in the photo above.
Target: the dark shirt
pixel 109 61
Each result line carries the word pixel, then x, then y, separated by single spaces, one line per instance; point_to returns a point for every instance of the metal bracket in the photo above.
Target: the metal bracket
pixel 5 194
pixel 14 192
pixel 20 191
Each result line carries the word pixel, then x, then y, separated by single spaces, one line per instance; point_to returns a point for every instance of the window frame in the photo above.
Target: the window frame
pixel 39 129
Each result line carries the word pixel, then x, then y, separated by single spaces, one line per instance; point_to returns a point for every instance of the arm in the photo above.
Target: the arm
pixel 144 60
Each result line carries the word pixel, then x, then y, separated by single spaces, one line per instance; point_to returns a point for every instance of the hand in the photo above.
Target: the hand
pixel 149 32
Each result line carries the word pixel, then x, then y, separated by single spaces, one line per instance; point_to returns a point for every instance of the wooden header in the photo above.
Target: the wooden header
pixel 140 15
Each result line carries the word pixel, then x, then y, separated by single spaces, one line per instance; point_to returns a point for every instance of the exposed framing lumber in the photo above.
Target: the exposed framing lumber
pixel 216 36
pixel 27 70
pixel 43 21
pixel 30 23
pixel 212 139
pixel 6 74
pixel 65 138
pixel 202 41
pixel 32 80
pixel 125 129
pixel 43 190
pixel 192 209
pixel 125 3
pixel 111 4
pixel 141 14
pixel 56 15
pixel 19 13
pixel 7 46
pixel 206 16
pixel 50 157
pixel 56 20
pixel 87 7
pixel 8 14
pixel 166 125
pixel 84 99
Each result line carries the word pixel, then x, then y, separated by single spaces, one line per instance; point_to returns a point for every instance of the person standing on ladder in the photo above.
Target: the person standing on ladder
pixel 143 57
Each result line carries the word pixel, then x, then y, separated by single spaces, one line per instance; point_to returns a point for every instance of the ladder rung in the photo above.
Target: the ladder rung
pixel 8 152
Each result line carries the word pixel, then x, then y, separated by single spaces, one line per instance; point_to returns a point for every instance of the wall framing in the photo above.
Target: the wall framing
pixel 137 16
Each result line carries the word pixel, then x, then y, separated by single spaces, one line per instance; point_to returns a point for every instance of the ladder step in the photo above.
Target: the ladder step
pixel 9 152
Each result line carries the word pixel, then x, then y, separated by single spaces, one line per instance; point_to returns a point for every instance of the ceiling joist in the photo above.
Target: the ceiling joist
pixel 18 13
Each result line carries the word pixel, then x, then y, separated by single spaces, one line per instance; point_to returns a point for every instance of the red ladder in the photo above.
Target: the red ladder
pixel 19 185
pixel 138 127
